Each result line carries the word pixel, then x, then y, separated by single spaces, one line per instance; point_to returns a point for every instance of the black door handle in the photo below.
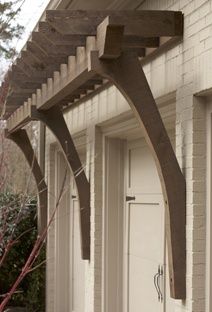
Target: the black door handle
pixel 129 198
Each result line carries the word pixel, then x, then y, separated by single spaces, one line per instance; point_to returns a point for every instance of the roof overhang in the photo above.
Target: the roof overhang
pixel 57 54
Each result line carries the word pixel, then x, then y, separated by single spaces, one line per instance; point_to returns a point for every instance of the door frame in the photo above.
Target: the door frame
pixel 53 155
pixel 113 195
pixel 117 128
pixel 60 161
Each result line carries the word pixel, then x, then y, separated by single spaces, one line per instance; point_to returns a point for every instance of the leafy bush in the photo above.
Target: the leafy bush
pixel 31 292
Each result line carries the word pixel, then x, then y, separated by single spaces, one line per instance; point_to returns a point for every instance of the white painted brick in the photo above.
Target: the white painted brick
pixel 205 33
pixel 199 3
pixel 189 8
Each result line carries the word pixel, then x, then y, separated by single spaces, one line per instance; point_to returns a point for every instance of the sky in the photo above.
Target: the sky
pixel 28 17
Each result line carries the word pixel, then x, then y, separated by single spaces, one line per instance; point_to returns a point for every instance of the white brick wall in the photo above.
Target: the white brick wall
pixel 186 69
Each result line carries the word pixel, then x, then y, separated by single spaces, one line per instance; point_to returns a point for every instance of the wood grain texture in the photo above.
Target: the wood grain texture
pixel 54 120
pixel 141 23
pixel 69 35
pixel 21 139
pixel 127 74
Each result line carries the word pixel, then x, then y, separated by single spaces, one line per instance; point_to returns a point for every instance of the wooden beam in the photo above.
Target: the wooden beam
pixel 52 35
pixel 127 74
pixel 109 39
pixel 30 72
pixel 165 43
pixel 52 49
pixel 43 56
pixel 21 139
pixel 54 120
pixel 140 42
pixel 141 23
pixel 20 117
pixel 20 79
pixel 74 75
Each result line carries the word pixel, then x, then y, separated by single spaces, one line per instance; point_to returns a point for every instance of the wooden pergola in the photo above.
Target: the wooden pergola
pixel 73 54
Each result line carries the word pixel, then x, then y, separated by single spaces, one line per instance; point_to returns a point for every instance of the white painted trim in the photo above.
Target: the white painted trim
pixel 208 207
pixel 113 225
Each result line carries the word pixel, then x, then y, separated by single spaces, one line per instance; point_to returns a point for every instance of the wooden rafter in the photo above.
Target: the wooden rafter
pixel 64 37
pixel 21 139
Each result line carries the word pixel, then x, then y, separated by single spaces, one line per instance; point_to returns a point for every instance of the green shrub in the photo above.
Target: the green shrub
pixel 31 292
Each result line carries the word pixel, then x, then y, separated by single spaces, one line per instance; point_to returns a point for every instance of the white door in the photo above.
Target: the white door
pixel 145 232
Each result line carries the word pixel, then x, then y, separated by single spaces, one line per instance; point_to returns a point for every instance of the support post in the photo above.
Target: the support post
pixel 127 74
pixel 54 120
pixel 21 139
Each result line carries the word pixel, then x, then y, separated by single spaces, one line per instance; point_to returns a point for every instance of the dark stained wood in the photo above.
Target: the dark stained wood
pixel 50 48
pixel 52 35
pixel 141 23
pixel 18 74
pixel 43 56
pixel 16 100
pixel 33 62
pixel 109 39
pixel 79 78
pixel 140 42
pixel 18 90
pixel 21 138
pixel 30 72
pixel 127 74
pixel 165 44
pixel 52 44
pixel 54 120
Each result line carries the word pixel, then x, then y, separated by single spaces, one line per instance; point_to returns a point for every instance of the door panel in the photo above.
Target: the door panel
pixel 146 246
pixel 143 176
pixel 146 235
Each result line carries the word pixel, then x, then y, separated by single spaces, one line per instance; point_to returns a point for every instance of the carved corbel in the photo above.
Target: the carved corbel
pixel 54 120
pixel 21 139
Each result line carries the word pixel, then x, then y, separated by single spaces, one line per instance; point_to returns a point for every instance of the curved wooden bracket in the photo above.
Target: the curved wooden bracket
pixel 21 139
pixel 127 74
pixel 54 120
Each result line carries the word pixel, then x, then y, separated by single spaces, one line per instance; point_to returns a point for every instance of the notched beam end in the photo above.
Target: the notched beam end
pixel 109 39
pixel 179 23
pixel 94 62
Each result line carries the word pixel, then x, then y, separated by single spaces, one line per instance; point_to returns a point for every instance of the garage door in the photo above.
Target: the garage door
pixel 145 237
